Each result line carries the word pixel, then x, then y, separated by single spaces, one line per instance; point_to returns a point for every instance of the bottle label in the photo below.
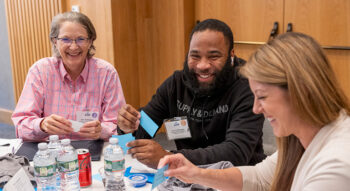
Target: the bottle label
pixel 45 171
pixel 68 166
pixel 114 166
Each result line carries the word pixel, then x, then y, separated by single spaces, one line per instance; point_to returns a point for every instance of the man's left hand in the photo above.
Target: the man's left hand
pixel 147 151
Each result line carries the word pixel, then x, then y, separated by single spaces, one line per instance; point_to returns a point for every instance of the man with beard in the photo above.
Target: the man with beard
pixel 209 96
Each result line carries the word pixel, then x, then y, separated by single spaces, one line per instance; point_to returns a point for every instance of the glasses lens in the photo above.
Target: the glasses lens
pixel 66 40
pixel 80 41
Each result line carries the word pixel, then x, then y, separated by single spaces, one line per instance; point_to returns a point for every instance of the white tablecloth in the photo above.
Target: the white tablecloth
pixel 98 185
pixel 96 165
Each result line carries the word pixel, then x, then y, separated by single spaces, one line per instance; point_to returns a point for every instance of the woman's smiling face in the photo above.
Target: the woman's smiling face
pixel 274 102
pixel 73 54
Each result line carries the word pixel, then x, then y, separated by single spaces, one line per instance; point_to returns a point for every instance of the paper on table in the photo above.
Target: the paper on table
pixel 76 125
pixel 19 182
pixel 138 166
pixel 13 147
pixel 141 168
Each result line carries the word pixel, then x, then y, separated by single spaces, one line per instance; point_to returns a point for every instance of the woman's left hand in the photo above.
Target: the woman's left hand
pixel 91 129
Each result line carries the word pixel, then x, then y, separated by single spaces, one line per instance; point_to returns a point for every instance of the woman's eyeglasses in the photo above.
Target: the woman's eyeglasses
pixel 78 41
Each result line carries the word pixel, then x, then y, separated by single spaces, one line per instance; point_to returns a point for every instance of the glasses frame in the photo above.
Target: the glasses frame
pixel 83 41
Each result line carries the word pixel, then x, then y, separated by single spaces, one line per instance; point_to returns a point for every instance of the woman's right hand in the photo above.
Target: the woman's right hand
pixel 56 125
pixel 180 167
pixel 128 119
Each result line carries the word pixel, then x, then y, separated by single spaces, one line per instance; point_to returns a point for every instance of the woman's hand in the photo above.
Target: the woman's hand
pixel 180 168
pixel 56 125
pixel 91 129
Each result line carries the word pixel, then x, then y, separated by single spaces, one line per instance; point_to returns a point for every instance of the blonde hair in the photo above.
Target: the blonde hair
pixel 72 17
pixel 296 62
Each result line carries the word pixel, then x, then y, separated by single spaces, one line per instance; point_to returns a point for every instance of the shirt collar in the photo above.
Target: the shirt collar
pixel 83 74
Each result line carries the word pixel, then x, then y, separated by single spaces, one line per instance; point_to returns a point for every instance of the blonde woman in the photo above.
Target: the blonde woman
pixel 297 91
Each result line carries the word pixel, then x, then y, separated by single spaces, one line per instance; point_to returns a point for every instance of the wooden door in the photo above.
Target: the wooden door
pixel 162 31
pixel 250 20
pixel 327 21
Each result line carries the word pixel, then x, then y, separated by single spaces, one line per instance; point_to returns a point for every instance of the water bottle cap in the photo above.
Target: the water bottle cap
pixel 53 137
pixel 113 140
pixel 65 141
pixel 42 146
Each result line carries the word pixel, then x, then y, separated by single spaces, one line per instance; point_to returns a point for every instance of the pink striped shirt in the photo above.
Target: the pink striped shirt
pixel 49 89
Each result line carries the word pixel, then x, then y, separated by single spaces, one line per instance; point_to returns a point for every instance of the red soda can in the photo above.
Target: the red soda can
pixel 84 159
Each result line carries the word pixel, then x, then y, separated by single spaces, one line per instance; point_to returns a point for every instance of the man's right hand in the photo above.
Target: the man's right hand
pixel 128 119
pixel 56 125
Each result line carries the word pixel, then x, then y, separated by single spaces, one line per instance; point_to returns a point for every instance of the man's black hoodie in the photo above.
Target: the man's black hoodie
pixel 222 124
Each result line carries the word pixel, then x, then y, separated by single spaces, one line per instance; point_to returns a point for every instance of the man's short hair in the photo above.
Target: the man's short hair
pixel 215 25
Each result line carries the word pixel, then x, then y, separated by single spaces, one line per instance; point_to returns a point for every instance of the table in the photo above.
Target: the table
pixel 96 165
pixel 98 185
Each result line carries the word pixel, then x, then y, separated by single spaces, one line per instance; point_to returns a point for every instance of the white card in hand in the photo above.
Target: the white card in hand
pixel 76 125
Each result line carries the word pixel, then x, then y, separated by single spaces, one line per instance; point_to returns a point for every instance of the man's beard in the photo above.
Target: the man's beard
pixel 221 77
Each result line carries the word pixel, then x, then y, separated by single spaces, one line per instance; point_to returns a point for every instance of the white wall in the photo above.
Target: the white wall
pixel 7 100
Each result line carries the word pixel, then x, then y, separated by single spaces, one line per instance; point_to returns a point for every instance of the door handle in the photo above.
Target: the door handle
pixel 289 27
pixel 274 31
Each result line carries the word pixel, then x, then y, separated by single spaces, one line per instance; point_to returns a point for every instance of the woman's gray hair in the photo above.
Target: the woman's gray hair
pixel 72 17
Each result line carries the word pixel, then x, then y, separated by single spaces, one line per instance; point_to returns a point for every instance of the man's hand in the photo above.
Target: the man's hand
pixel 128 119
pixel 56 125
pixel 147 152
pixel 91 129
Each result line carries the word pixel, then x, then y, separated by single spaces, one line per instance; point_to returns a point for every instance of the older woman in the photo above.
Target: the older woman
pixel 71 85
pixel 296 89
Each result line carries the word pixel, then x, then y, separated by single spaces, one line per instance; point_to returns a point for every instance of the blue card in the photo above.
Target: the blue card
pixel 123 140
pixel 159 176
pixel 148 124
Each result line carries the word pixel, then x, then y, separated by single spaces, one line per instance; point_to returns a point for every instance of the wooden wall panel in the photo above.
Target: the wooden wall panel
pixel 162 34
pixel 100 14
pixel 125 48
pixel 250 20
pixel 28 23
pixel 340 61
pixel 327 21
pixel 245 50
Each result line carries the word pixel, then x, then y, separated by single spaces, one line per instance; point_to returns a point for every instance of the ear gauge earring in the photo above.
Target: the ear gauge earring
pixel 232 59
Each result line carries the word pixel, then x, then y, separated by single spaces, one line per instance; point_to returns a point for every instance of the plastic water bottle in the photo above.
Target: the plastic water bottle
pixel 114 166
pixel 54 145
pixel 68 167
pixel 44 169
pixel 55 148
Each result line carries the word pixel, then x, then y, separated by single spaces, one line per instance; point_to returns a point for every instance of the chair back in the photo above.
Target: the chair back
pixel 5 116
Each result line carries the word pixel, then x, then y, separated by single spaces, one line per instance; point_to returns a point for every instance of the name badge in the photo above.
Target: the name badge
pixel 86 116
pixel 177 128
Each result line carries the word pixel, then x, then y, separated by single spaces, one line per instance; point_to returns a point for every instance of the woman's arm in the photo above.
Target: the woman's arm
pixel 222 179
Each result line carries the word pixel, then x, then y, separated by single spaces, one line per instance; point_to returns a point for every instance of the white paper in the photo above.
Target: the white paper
pixel 76 125
pixel 19 182
pixel 137 167
pixel 13 147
